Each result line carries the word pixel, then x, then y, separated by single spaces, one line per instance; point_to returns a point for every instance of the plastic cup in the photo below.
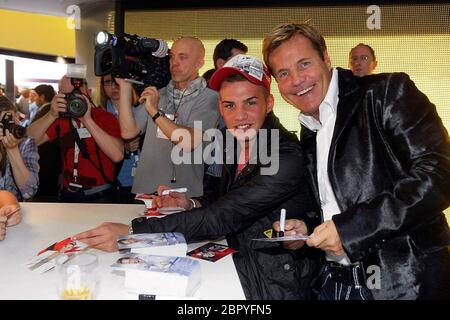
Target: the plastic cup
pixel 77 276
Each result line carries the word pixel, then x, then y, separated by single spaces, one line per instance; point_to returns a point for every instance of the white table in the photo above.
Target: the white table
pixel 46 223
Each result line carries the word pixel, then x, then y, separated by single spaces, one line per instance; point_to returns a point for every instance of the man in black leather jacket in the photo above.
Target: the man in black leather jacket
pixel 246 200
pixel 379 161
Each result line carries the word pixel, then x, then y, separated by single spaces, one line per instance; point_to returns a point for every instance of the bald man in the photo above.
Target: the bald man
pixel 167 116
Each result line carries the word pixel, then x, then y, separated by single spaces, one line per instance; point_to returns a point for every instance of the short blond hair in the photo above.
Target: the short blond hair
pixel 282 33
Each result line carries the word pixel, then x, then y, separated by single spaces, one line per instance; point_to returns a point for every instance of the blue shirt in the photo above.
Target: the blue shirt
pixel 131 159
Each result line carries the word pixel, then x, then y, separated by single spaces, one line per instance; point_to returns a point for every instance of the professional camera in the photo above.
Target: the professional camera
pixel 128 56
pixel 8 123
pixel 76 105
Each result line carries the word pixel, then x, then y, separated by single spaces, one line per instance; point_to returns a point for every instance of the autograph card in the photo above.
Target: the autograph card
pixel 146 198
pixel 45 259
pixel 211 251
pixel 65 246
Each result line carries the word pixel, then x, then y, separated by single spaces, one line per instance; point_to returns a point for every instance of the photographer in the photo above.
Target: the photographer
pixel 90 144
pixel 109 100
pixel 18 155
pixel 172 109
pixel 10 212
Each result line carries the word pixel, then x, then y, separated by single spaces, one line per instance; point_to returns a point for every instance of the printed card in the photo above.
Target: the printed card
pixel 211 251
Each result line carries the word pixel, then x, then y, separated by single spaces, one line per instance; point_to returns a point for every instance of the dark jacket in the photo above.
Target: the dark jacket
pixel 389 166
pixel 243 208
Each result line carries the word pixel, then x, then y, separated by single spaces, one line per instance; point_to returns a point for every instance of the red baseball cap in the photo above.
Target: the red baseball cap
pixel 248 66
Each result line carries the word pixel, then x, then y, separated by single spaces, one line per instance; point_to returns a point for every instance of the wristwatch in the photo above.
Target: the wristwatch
pixel 130 228
pixel 158 114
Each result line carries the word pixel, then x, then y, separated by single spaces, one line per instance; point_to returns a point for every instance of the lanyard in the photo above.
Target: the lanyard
pixel 176 107
pixel 76 153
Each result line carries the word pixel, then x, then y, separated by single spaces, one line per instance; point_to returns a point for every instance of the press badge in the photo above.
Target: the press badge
pixel 83 133
pixel 159 133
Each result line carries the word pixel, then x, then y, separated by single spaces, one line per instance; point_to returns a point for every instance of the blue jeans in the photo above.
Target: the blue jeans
pixel 343 283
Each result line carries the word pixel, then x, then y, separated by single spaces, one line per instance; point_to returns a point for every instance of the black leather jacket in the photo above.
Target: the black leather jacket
pixel 243 208
pixel 389 166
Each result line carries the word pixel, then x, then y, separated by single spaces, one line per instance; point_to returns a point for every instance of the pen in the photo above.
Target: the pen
pixel 11 213
pixel 282 222
pixel 166 192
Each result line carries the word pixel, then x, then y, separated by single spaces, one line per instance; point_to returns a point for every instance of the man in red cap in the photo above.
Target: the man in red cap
pixel 248 198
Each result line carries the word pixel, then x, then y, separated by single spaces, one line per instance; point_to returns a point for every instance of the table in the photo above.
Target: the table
pixel 46 223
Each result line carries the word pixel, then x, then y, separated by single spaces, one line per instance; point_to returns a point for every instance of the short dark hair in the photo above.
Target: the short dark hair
pixel 46 90
pixel 224 47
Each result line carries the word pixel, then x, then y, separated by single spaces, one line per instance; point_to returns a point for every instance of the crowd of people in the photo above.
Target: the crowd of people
pixel 368 180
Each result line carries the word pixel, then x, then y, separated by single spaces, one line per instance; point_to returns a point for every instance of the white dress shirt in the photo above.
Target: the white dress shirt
pixel 325 129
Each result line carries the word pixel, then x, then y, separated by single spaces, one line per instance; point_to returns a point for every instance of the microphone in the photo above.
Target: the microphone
pixel 158 47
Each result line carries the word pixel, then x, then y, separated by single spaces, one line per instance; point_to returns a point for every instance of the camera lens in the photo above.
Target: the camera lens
pixel 18 131
pixel 76 107
pixel 106 63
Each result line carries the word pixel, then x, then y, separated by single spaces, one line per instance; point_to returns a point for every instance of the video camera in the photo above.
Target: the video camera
pixel 128 56
pixel 9 124
pixel 76 106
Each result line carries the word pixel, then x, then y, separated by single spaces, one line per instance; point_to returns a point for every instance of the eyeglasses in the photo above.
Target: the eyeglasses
pixel 363 58
pixel 110 83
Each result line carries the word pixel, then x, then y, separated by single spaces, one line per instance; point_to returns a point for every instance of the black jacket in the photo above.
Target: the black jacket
pixel 243 208
pixel 389 166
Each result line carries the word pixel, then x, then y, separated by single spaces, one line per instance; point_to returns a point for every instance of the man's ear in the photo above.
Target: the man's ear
pixel 327 59
pixel 270 103
pixel 200 63
pixel 220 62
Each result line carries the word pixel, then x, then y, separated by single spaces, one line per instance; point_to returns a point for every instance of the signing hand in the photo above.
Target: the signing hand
pixel 173 199
pixel 292 227
pixel 326 238
pixel 103 237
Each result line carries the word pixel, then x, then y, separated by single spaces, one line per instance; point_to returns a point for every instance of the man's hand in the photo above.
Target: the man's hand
pixel 9 141
pixel 151 97
pixel 11 218
pixel 58 104
pixel 103 237
pixel 326 238
pixel 87 116
pixel 2 227
pixel 292 227
pixel 123 85
pixel 133 144
pixel 173 199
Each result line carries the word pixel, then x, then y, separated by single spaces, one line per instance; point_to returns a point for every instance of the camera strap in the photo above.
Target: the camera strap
pixel 81 147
